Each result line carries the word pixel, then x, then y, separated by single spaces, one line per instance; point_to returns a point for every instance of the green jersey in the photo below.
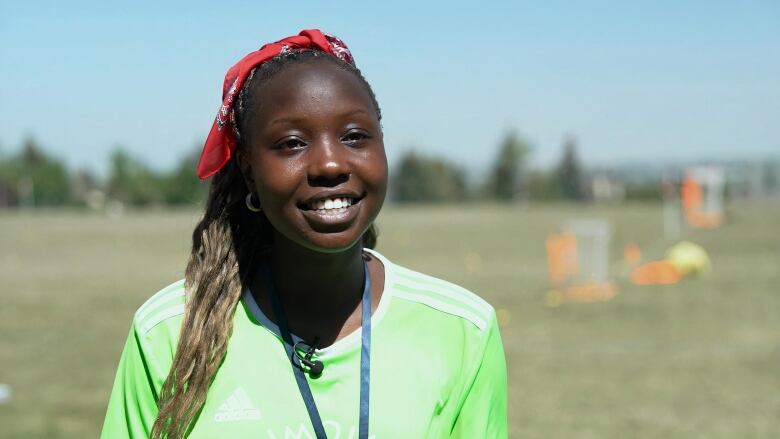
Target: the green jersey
pixel 437 370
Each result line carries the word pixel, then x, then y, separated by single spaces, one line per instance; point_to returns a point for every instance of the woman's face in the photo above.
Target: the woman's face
pixel 315 156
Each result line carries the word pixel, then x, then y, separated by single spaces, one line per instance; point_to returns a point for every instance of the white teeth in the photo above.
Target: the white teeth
pixel 331 204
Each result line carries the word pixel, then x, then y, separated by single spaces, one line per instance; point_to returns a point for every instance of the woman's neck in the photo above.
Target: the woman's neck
pixel 307 278
pixel 320 292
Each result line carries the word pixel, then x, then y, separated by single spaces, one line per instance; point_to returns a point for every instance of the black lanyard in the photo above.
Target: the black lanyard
pixel 300 378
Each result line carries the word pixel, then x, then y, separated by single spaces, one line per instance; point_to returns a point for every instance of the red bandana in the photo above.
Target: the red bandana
pixel 221 141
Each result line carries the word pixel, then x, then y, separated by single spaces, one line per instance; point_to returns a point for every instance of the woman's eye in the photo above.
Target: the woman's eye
pixel 291 143
pixel 354 137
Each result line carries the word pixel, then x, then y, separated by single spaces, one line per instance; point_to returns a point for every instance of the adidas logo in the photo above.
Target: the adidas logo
pixel 237 407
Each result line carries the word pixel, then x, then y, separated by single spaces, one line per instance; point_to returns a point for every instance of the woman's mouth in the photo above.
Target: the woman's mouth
pixel 331 205
pixel 331 214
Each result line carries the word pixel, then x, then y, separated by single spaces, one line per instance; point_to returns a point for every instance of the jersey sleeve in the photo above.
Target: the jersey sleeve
pixel 484 410
pixel 132 408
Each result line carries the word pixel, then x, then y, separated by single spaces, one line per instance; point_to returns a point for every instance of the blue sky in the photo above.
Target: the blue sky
pixel 633 81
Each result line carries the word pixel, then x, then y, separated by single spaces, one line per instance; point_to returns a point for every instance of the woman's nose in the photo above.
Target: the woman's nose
pixel 329 166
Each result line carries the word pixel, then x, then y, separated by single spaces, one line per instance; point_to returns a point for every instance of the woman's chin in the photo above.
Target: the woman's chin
pixel 334 244
pixel 319 242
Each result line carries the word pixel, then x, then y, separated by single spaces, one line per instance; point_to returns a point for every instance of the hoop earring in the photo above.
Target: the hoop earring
pixel 249 204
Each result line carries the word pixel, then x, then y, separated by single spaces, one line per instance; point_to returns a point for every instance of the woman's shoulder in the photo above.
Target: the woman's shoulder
pixel 164 308
pixel 436 295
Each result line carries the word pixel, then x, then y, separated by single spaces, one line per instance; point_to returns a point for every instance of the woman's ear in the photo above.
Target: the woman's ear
pixel 246 169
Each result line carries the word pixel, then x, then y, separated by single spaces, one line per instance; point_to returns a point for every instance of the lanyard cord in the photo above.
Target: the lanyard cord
pixel 300 378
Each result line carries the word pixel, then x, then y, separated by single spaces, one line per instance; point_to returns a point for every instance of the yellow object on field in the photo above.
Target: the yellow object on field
pixel 688 258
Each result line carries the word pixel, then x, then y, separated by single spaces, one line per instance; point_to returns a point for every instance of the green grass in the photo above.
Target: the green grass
pixel 697 359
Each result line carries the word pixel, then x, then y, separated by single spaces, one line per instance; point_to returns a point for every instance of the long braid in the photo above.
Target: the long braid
pixel 225 244
pixel 214 281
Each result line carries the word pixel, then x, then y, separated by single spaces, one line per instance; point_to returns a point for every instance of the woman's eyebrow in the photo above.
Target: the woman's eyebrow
pixel 287 120
pixel 355 112
pixel 292 120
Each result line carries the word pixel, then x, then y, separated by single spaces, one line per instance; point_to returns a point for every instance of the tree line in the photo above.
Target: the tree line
pixel 420 178
pixel 32 177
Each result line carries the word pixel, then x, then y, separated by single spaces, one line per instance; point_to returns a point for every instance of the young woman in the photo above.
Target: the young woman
pixel 287 324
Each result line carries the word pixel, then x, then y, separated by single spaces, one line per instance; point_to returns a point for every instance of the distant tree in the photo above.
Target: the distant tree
pixel 543 185
pixel 131 182
pixel 33 178
pixel 31 154
pixel 8 196
pixel 428 179
pixel 182 185
pixel 770 177
pixel 569 172
pixel 508 173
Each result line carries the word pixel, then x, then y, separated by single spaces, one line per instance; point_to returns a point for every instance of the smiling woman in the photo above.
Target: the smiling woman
pixel 319 143
pixel 287 323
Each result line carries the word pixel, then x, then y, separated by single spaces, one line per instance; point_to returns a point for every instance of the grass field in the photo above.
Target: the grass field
pixel 698 359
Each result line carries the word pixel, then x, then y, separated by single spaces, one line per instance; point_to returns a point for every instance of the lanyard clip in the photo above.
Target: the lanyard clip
pixel 315 367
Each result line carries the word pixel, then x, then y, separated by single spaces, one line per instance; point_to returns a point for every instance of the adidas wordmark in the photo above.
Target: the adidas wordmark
pixel 237 407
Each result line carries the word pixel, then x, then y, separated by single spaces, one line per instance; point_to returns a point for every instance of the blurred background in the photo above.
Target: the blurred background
pixel 606 174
